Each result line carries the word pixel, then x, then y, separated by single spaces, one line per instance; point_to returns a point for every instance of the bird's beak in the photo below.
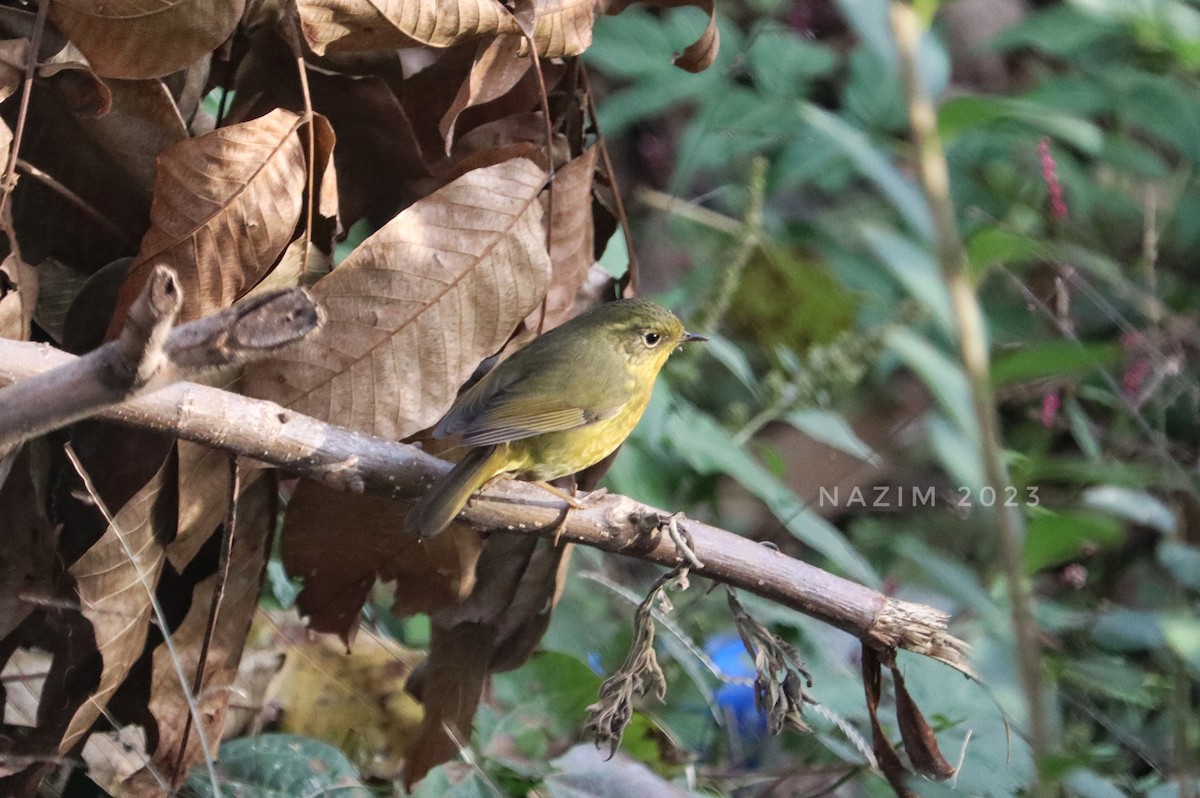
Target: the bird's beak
pixel 690 337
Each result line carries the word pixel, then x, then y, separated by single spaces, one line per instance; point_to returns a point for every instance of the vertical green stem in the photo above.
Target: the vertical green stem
pixel 935 180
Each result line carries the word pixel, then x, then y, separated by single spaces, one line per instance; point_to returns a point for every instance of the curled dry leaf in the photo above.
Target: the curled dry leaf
pixel 340 542
pixel 136 39
pixel 247 565
pixel 225 206
pixel 496 70
pixel 112 595
pixel 386 24
pixel 563 27
pixel 469 258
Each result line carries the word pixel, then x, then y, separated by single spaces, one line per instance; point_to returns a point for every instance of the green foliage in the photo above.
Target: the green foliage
pixel 279 766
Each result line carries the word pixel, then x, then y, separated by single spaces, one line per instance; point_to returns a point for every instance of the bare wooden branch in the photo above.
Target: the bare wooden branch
pixel 149 354
pixel 349 461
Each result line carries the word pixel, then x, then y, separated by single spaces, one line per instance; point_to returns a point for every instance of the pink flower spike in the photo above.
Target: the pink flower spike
pixel 1058 205
pixel 1051 402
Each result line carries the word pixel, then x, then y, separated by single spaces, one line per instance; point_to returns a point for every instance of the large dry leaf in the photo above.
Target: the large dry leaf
pixel 386 24
pixel 418 305
pixel 225 206
pixel 112 594
pixel 145 39
pixel 571 237
pixel 495 629
pixel 247 565
pixel 340 542
pixel 144 121
pixel 454 677
pixel 379 157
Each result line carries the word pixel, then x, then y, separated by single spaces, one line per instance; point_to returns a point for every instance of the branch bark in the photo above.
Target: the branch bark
pixel 149 354
pixel 350 461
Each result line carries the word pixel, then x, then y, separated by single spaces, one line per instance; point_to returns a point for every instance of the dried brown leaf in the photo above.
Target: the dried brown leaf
pixel 340 542
pixel 385 24
pixel 454 677
pixel 112 596
pixel 571 238
pixel 563 27
pixel 379 156
pixel 225 206
pixel 469 259
pixel 203 490
pixel 247 565
pixel 919 739
pixel 143 122
pixel 137 39
pixel 495 72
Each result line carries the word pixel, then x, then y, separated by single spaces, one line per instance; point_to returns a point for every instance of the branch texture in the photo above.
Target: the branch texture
pixel 361 463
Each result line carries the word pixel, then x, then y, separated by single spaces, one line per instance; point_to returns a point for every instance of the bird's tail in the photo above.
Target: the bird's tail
pixel 446 498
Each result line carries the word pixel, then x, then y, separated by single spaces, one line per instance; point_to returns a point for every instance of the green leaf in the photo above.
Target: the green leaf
pixel 942 376
pixel 709 449
pixel 904 195
pixel 1062 30
pixel 832 429
pixel 280 766
pixel 1182 633
pixel 556 684
pixel 454 780
pixel 996 246
pixel 1133 505
pixel 1057 537
pixel 1182 560
pixel 1107 676
pixel 1063 359
pixel 585 772
pixel 963 113
pixel 783 63
pixel 1126 631
pixel 914 268
pixel 1089 784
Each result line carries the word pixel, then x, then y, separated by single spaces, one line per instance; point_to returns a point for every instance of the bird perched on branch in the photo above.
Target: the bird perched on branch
pixel 556 407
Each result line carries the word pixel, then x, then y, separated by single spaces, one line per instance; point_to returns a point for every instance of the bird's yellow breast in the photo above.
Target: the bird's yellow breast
pixel 556 454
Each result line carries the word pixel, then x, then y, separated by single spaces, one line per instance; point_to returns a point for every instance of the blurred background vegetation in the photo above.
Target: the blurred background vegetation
pixel 775 205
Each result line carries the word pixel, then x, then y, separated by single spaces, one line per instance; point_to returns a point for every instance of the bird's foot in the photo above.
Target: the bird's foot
pixel 574 502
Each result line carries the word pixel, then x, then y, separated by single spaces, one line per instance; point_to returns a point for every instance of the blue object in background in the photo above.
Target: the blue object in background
pixel 745 726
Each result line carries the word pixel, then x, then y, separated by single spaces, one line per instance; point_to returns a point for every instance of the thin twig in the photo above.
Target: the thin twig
pixel 76 200
pixel 935 181
pixel 214 612
pixel 310 176
pixel 631 286
pixel 9 181
pixel 159 616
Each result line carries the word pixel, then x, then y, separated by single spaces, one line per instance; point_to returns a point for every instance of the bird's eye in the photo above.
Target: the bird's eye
pixel 651 338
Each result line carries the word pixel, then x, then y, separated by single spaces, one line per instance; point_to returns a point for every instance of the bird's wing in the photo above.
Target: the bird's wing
pixel 510 418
